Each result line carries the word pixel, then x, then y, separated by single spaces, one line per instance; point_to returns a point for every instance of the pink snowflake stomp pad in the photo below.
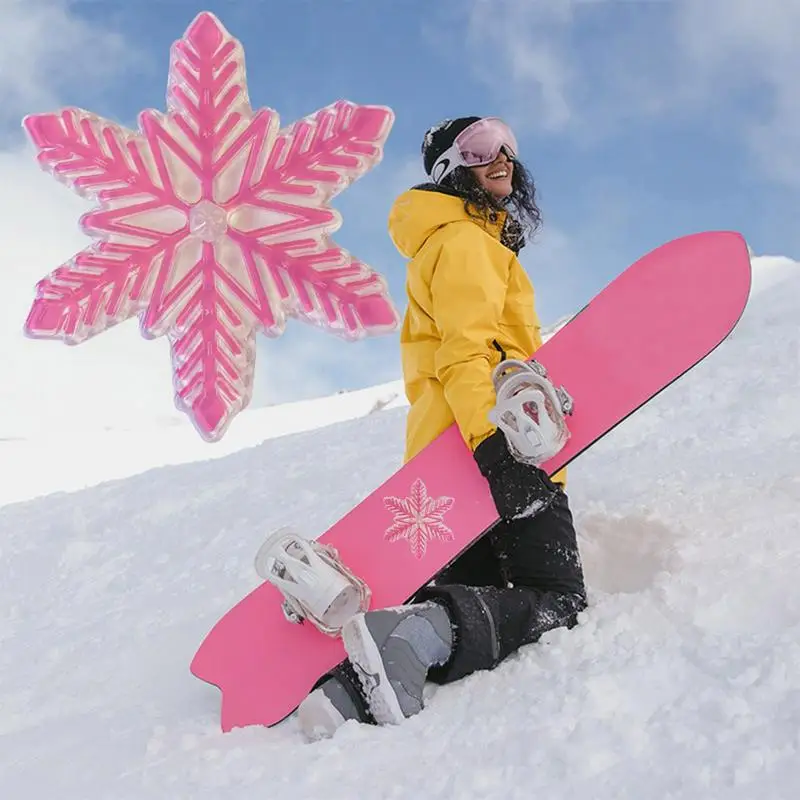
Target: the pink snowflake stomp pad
pixel 657 319
pixel 418 518
pixel 213 224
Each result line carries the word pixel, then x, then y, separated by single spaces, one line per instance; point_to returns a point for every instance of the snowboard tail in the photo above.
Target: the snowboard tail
pixel 648 327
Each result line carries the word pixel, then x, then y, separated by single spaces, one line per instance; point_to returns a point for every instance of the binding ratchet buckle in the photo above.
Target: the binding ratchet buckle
pixel 315 584
pixel 530 411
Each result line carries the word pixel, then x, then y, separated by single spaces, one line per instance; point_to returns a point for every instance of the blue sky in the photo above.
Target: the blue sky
pixel 641 121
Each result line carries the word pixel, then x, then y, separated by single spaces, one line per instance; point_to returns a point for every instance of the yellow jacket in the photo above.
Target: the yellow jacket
pixel 469 303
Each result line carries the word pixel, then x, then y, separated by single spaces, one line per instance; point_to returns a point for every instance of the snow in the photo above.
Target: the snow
pixel 682 680
pixel 45 460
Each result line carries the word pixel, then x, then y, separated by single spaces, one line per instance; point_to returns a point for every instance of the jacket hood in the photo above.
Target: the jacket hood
pixel 418 213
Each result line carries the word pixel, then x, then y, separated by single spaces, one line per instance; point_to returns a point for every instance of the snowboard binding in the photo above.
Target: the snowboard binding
pixel 315 584
pixel 530 411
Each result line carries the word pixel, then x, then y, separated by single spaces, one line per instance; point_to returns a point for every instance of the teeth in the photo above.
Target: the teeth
pixel 502 174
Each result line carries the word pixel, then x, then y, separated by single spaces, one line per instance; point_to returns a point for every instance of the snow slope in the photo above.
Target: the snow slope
pixel 67 458
pixel 682 681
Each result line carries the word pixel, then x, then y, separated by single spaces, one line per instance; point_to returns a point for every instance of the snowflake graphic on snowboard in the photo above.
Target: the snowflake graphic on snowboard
pixel 418 518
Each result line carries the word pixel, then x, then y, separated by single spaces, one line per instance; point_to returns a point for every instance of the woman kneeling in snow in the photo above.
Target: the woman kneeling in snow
pixel 471 306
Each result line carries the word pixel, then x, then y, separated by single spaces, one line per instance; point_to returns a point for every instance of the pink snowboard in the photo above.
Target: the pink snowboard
pixel 643 331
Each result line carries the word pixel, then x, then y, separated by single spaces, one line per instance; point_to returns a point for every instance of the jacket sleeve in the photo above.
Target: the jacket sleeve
pixel 468 291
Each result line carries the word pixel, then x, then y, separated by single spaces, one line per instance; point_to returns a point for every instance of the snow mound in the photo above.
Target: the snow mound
pixel 67 459
pixel 682 680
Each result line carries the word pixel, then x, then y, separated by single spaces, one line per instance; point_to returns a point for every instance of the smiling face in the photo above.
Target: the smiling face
pixel 496 177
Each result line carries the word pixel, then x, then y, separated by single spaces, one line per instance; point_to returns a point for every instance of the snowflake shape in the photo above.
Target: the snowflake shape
pixel 418 518
pixel 213 224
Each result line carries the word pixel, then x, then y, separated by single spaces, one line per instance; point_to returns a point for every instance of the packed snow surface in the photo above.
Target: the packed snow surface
pixel 681 681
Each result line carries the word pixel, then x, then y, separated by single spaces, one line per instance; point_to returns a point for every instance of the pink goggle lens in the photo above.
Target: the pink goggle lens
pixel 481 142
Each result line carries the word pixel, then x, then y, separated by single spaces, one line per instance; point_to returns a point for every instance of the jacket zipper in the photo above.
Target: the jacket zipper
pixel 499 349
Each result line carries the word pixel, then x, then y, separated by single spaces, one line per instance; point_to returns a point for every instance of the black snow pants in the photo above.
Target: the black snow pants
pixel 520 580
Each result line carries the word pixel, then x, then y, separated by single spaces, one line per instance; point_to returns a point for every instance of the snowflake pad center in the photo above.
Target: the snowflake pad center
pixel 208 221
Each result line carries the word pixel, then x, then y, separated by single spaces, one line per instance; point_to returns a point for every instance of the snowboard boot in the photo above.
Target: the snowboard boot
pixel 335 701
pixel 392 650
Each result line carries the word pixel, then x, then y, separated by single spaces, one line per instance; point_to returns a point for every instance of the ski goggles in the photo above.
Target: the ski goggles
pixel 477 145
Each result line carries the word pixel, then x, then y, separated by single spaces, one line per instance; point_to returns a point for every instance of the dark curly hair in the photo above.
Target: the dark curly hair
pixel 479 203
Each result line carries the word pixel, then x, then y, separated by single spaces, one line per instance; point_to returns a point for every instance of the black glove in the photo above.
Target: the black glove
pixel 518 490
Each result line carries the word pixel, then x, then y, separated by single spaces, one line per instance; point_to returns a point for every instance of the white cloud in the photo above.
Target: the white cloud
pixel 520 48
pixel 44 47
pixel 587 67
pixel 735 46
pixel 403 175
